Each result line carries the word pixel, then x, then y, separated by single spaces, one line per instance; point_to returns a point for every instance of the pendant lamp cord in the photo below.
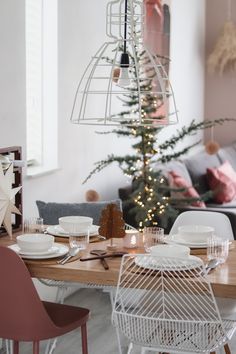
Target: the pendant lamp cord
pixel 125 24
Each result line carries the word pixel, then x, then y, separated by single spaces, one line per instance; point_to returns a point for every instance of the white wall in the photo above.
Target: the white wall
pixel 187 63
pixel 220 89
pixel 12 73
pixel 81 32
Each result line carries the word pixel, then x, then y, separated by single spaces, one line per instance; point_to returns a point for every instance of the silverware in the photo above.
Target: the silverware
pixel 101 253
pixel 72 252
pixel 110 255
pixel 212 264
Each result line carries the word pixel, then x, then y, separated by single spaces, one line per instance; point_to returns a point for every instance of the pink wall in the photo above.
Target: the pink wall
pixel 220 91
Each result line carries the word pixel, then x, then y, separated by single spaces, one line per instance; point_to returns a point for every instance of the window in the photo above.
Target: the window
pixel 41 85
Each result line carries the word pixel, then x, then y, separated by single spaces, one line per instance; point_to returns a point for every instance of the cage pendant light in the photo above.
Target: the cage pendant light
pixel 124 83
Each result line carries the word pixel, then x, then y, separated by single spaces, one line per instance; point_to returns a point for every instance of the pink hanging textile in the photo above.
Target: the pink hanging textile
pixel 156 37
pixel 154 26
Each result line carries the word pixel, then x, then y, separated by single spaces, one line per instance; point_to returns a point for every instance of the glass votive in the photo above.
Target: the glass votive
pixel 152 236
pixel 131 239
pixel 217 248
pixel 33 225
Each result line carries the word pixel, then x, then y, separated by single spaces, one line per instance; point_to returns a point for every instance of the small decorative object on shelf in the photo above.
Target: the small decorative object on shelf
pixel 92 196
pixel 131 239
pixel 112 224
pixel 10 190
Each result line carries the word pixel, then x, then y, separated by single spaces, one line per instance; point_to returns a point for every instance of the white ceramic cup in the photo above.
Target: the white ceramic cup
pixel 75 224
pixel 195 233
pixel 170 251
pixel 35 242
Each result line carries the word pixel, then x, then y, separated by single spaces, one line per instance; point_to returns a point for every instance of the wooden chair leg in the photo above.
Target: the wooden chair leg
pixel 227 349
pixel 15 347
pixel 84 339
pixel 36 347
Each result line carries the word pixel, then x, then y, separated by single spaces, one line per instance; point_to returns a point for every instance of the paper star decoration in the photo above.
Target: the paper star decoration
pixel 7 196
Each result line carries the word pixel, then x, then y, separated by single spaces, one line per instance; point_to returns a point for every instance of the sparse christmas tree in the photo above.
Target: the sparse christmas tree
pixel 151 201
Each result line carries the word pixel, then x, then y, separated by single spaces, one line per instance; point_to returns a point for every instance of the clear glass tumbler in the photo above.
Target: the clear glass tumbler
pixel 152 236
pixel 33 225
pixel 217 248
pixel 79 241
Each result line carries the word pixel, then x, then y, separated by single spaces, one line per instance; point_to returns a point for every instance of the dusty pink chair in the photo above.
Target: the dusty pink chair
pixel 24 317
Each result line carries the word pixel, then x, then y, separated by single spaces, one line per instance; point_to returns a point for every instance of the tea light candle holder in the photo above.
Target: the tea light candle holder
pixel 131 239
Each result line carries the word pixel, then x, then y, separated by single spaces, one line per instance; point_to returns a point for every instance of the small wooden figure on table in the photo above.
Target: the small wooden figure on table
pixel 112 224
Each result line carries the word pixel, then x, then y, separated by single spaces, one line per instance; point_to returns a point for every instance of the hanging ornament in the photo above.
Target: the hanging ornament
pixel 212 147
pixel 223 56
pixel 7 196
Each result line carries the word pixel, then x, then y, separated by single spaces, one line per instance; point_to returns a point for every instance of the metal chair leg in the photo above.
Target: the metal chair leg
pixel 143 350
pixel 130 348
pixel 118 340
pixel 8 346
pixel 36 347
pixel 227 349
pixel 84 339
pixel 15 347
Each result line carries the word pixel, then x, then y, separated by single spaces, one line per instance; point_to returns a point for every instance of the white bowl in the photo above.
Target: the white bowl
pixel 195 233
pixel 73 224
pixel 35 242
pixel 170 251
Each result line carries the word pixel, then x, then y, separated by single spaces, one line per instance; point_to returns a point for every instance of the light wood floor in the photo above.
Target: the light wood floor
pixel 101 334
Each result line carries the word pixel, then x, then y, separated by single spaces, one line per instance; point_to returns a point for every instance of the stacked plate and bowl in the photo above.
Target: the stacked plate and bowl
pixel 76 225
pixel 193 236
pixel 38 246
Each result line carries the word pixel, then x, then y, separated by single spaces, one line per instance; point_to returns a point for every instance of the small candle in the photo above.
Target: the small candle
pixel 131 239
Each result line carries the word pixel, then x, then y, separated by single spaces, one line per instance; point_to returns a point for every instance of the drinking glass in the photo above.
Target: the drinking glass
pixel 152 236
pixel 217 248
pixel 33 225
pixel 79 241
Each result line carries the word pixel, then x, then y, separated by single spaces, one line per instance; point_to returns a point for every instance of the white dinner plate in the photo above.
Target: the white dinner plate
pixel 188 263
pixel 59 250
pixel 176 239
pixel 56 230
pixel 53 249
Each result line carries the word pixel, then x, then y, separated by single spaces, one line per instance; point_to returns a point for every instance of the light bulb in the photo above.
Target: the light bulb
pixel 124 79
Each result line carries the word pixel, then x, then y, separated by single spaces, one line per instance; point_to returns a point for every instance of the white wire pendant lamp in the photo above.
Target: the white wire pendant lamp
pixel 124 83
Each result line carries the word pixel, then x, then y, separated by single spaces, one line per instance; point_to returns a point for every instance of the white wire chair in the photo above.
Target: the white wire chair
pixel 177 312
pixel 219 221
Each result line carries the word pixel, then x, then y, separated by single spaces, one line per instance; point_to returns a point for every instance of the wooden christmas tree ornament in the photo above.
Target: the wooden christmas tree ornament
pixel 112 224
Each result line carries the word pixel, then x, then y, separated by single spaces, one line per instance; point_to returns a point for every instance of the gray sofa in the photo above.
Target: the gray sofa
pixel 193 169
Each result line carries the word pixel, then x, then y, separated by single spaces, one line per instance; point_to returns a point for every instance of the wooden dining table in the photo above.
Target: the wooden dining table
pixel 223 278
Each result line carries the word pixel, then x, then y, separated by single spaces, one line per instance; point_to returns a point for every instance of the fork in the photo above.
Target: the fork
pixel 72 252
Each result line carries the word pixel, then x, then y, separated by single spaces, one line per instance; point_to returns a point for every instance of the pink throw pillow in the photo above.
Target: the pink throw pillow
pixel 177 181
pixel 222 181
